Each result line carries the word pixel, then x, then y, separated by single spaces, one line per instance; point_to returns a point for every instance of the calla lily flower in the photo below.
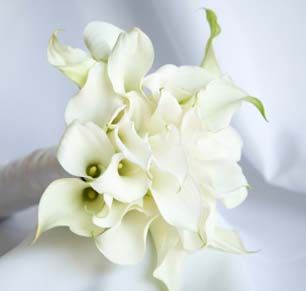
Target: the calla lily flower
pixel 69 202
pixel 72 62
pixel 96 101
pixel 132 230
pixel 130 60
pixel 123 180
pixel 99 37
pixel 85 150
pixel 170 254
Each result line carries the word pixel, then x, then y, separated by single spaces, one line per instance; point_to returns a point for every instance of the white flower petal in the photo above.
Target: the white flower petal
pixel 96 101
pixel 130 60
pixel 123 180
pixel 168 111
pixel 182 82
pixel 223 177
pixel 228 240
pixel 139 111
pixel 234 198
pixel 72 62
pixel 112 216
pixel 170 254
pixel 168 153
pixel 224 144
pixel 62 204
pixel 219 102
pixel 134 147
pixel 100 38
pixel 179 205
pixel 125 243
pixel 190 240
pixel 84 144
pixel 191 128
pixel 202 144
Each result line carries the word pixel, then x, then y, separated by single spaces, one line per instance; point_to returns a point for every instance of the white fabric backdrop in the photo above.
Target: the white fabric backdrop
pixel 262 46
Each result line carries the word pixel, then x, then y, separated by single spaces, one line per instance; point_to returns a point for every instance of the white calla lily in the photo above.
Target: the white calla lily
pixel 134 147
pixel 96 101
pixel 123 180
pixel 69 202
pixel 100 38
pixel 170 254
pixel 85 150
pixel 72 62
pixel 125 243
pixel 130 60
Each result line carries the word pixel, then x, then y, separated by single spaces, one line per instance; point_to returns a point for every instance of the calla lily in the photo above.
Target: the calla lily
pixel 123 180
pixel 72 62
pixel 170 254
pixel 69 202
pixel 85 150
pixel 218 237
pixel 100 38
pixel 130 60
pixel 96 101
pixel 125 243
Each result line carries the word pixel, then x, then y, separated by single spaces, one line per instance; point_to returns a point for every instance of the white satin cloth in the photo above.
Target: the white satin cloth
pixel 262 47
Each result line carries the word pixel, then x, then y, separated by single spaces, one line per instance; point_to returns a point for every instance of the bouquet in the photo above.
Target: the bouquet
pixel 147 154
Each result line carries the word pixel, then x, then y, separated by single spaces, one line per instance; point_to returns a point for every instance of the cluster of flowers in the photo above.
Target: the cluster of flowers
pixel 148 153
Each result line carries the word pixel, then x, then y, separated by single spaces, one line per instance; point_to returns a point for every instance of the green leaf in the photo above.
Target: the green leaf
pixel 258 104
pixel 209 61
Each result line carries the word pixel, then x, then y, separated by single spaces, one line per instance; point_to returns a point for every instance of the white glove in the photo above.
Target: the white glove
pixel 23 181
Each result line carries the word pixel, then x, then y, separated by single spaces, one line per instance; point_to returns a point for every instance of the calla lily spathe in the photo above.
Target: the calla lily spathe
pixel 149 154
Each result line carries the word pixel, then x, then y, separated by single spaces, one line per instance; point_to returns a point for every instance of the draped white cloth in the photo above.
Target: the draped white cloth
pixel 262 47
